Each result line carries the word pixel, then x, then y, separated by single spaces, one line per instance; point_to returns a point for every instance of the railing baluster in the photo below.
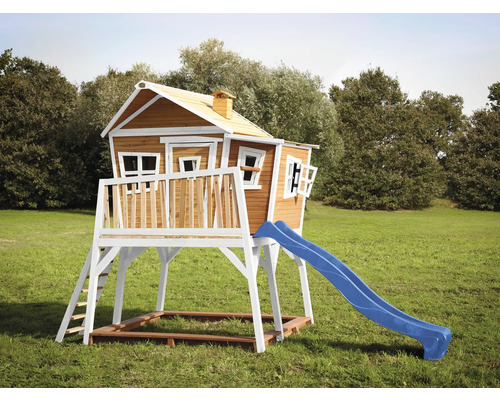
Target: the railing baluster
pixel 125 205
pixel 163 212
pixel 152 198
pixel 106 207
pixel 218 201
pixel 116 206
pixel 171 194
pixel 199 199
pixel 143 205
pixel 182 205
pixel 227 201
pixel 210 219
pixel 234 205
pixel 191 203
pixel 133 206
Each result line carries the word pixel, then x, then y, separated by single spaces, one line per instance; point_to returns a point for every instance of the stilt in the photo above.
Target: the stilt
pixel 251 260
pixel 120 285
pixel 271 252
pixel 304 284
pixel 166 256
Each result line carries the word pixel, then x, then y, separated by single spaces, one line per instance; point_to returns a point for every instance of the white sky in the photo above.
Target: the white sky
pixel 450 53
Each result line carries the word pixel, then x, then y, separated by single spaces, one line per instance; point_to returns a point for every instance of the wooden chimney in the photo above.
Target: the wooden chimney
pixel 223 104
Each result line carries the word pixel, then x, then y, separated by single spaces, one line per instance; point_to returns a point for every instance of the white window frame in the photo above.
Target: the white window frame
pixel 197 160
pixel 289 177
pixel 260 155
pixel 140 171
pixel 305 180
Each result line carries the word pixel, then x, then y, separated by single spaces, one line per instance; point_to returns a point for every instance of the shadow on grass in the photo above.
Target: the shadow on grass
pixel 373 348
pixel 42 320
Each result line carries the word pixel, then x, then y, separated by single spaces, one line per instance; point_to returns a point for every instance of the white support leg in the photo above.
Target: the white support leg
pixel 271 258
pixel 252 260
pixel 96 267
pixel 120 285
pixel 166 256
pixel 304 284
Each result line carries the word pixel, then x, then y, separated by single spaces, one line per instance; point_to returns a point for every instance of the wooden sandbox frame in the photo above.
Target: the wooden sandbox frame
pixel 123 332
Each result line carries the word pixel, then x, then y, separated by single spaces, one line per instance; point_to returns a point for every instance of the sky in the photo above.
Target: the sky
pixel 451 53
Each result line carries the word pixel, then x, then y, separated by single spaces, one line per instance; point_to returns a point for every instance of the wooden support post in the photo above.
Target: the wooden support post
pixel 271 258
pixel 120 285
pixel 251 261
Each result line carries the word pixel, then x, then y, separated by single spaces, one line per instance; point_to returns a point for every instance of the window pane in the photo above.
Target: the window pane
pixel 148 163
pixel 188 165
pixel 250 161
pixel 247 175
pixel 130 163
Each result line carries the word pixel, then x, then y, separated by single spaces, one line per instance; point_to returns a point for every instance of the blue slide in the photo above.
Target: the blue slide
pixel 434 338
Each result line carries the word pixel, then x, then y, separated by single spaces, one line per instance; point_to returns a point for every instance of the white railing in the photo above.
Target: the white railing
pixel 197 203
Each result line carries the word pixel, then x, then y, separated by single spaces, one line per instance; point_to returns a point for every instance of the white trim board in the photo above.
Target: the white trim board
pixel 182 130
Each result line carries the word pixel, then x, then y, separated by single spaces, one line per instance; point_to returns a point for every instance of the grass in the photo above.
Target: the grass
pixel 440 265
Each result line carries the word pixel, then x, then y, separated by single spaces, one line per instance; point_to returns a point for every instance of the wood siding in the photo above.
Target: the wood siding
pixel 141 99
pixel 290 209
pixel 257 200
pixel 165 114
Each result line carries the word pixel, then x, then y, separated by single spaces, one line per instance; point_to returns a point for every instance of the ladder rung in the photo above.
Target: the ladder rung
pixel 98 288
pixel 81 304
pixel 77 316
pixel 74 329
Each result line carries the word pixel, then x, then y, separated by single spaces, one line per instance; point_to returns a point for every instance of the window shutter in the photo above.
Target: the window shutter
pixel 306 180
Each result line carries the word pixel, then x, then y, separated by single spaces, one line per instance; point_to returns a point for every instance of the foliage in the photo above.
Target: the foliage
pixel 387 163
pixel 287 103
pixel 444 118
pixel 97 104
pixel 474 162
pixel 36 104
pixel 439 264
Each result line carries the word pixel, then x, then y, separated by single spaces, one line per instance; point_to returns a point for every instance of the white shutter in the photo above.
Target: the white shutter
pixel 306 180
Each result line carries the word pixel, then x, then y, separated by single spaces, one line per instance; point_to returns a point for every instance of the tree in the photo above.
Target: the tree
pixel 474 160
pixel 287 103
pixel 36 102
pixel 444 119
pixel 386 163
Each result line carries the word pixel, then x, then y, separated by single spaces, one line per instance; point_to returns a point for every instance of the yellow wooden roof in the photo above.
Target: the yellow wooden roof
pixel 202 104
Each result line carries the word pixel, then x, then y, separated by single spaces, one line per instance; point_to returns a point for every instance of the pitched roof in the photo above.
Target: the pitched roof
pixel 201 105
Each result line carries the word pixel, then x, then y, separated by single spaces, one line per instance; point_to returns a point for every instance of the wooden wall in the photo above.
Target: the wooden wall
pixel 165 114
pixel 290 209
pixel 257 200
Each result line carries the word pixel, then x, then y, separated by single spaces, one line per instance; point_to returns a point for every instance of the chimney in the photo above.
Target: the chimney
pixel 223 104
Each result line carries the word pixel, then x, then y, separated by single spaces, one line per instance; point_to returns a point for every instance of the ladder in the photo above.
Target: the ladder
pixel 75 302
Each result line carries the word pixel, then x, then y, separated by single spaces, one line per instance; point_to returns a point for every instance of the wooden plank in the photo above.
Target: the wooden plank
pixel 210 219
pixel 199 200
pixel 182 205
pixel 77 317
pixel 234 206
pixel 125 205
pixel 171 202
pixel 191 203
pixel 143 205
pixel 227 201
pixel 133 206
pixel 106 207
pixel 74 329
pixel 116 207
pixel 218 202
pixel 163 211
pixel 152 200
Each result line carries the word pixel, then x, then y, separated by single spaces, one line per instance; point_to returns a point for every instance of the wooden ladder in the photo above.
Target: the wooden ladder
pixel 75 301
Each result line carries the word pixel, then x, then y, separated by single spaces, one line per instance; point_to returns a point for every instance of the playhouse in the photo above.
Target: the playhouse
pixel 189 171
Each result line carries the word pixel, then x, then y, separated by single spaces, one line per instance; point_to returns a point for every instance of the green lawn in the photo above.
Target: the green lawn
pixel 440 265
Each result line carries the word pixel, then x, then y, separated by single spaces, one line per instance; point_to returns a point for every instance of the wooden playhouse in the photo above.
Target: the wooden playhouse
pixel 189 171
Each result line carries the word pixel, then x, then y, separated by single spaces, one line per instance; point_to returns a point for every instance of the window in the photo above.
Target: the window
pixel 139 164
pixel 250 162
pixel 188 164
pixel 299 178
